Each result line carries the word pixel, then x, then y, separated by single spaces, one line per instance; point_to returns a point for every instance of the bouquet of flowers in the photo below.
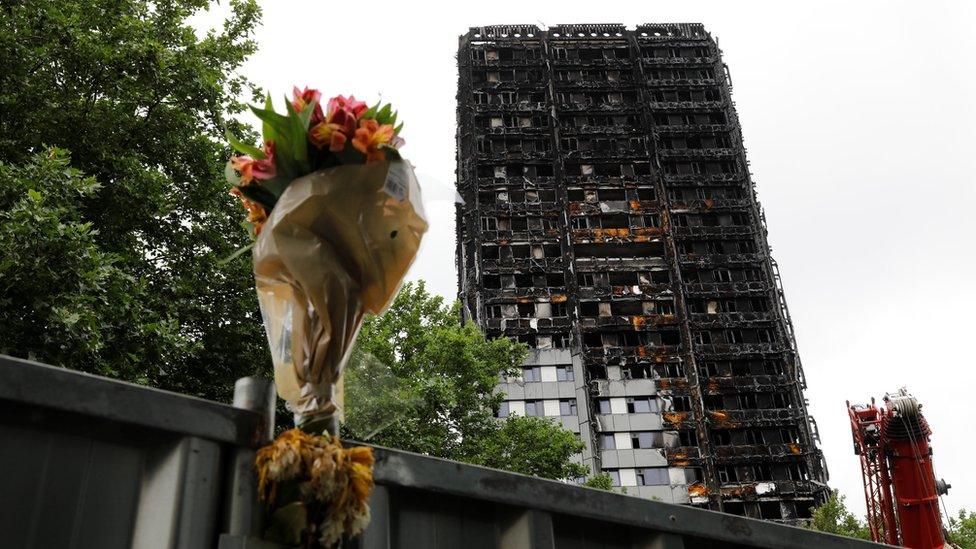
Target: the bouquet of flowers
pixel 337 220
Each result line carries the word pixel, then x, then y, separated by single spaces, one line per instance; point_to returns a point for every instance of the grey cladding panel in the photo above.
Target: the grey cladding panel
pixel 425 520
pixel 66 491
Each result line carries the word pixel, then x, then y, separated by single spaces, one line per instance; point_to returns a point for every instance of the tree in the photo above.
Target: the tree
pixel 602 481
pixel 962 530
pixel 833 517
pixel 111 260
pixel 421 381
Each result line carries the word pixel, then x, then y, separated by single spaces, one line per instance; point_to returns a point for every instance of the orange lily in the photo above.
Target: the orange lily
pixel 370 136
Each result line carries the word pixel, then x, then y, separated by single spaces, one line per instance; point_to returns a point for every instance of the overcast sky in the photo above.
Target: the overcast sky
pixel 861 133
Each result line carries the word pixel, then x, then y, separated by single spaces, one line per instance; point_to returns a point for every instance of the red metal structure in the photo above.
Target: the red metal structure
pixel 900 488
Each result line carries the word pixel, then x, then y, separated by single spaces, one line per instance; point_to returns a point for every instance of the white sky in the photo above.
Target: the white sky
pixel 860 128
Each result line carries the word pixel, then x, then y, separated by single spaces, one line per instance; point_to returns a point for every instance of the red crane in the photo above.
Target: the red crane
pixel 900 488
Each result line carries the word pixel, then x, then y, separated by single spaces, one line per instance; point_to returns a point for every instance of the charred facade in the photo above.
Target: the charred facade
pixel 610 222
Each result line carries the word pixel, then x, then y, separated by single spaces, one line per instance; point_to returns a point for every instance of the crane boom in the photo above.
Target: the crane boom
pixel 900 489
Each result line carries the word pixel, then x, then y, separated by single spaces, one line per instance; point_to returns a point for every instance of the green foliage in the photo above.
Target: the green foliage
pixel 962 530
pixel 533 446
pixel 444 400
pixel 833 517
pixel 116 271
pixel 603 481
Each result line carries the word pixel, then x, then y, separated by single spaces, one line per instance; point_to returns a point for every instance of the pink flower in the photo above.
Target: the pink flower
pixel 303 98
pixel 251 169
pixel 339 125
pixel 349 104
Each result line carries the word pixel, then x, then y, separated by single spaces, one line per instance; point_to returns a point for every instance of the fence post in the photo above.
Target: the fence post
pixel 244 514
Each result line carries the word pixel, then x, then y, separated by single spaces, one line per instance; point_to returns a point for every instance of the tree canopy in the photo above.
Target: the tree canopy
pixel 435 393
pixel 833 517
pixel 113 200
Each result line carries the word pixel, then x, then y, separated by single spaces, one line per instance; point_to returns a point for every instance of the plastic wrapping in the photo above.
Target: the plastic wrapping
pixel 336 246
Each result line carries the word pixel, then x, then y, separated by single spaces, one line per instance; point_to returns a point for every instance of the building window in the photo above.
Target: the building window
pixel 647 439
pixel 567 407
pixel 534 408
pixel 603 405
pixel 641 405
pixel 503 410
pixel 726 473
pixel 564 373
pixel 652 476
pixel 607 441
pixel 614 476
pixel 532 374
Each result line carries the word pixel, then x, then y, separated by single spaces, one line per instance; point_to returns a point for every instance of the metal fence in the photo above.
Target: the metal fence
pixel 91 462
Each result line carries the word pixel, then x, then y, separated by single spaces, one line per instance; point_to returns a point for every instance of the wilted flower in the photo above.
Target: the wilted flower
pixel 251 169
pixel 370 136
pixel 255 212
pixel 301 99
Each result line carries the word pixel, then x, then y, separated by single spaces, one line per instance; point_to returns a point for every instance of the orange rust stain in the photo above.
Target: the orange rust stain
pixel 697 490
pixel 637 321
pixel 642 351
pixel 677 455
pixel 664 383
pixel 635 205
pixel 719 415
pixel 525 299
pixel 675 417
pixel 574 207
pixel 795 448
pixel 712 385
pixel 558 298
pixel 681 463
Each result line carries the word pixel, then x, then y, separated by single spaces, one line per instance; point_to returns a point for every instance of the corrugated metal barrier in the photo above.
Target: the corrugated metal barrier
pixel 88 462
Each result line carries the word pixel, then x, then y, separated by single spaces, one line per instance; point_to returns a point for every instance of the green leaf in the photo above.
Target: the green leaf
pixel 239 146
pixel 298 139
pixel 266 129
pixel 371 112
pixel 306 113
pixel 34 195
pixel 383 116
pixel 282 129
pixel 397 129
pixel 237 253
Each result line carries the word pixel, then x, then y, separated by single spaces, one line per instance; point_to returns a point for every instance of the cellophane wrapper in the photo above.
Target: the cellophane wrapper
pixel 336 246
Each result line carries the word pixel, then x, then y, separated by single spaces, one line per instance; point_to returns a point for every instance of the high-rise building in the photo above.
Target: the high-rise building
pixel 609 222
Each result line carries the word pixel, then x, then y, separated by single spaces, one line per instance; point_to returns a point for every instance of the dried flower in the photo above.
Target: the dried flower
pixel 340 478
pixel 255 212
